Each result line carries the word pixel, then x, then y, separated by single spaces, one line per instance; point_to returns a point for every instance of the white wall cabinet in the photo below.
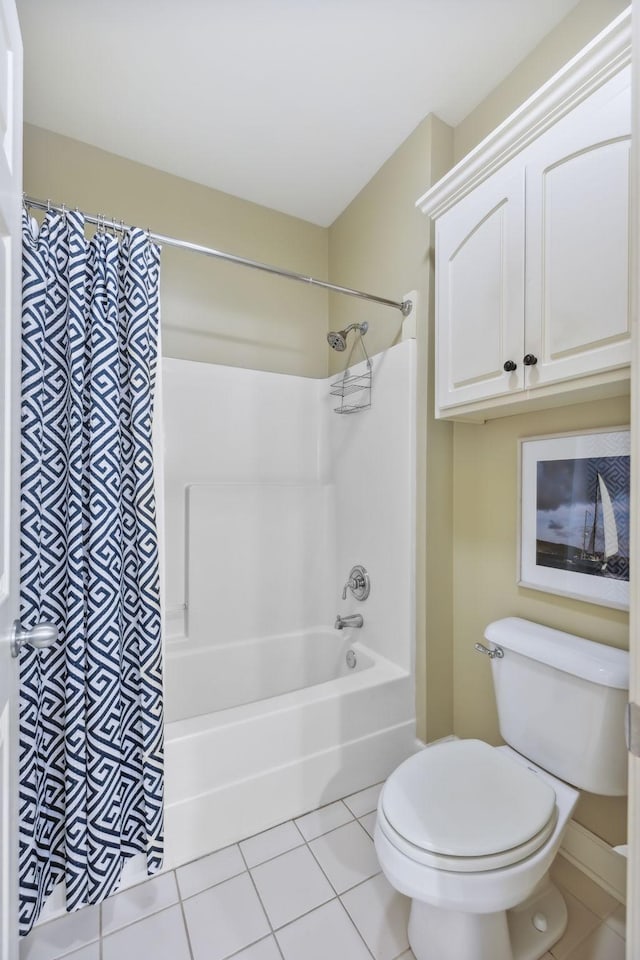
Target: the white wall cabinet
pixel 532 248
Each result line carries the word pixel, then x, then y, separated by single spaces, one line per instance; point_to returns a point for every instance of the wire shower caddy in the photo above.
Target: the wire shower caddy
pixel 353 389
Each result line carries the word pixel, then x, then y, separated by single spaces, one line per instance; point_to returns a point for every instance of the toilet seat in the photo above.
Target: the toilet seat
pixel 466 864
pixel 465 806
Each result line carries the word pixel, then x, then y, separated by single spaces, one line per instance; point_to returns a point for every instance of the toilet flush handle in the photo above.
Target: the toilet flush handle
pixel 496 652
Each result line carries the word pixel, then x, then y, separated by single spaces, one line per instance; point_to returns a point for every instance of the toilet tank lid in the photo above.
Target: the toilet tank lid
pixel 597 662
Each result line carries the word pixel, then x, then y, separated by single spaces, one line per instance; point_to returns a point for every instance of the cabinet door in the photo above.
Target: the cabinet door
pixel 577 319
pixel 480 292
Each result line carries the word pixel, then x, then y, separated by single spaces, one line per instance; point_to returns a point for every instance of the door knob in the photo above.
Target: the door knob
pixel 509 366
pixel 530 360
pixel 40 636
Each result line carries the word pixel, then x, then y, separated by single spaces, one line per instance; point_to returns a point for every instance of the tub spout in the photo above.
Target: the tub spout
pixel 353 620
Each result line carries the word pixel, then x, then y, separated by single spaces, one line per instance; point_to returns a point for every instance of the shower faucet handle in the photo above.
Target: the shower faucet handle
pixel 358 583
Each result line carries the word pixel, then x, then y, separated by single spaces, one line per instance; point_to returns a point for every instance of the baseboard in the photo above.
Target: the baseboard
pixel 597 859
pixel 420 744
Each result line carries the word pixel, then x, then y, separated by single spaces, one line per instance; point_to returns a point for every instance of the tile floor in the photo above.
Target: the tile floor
pixel 308 889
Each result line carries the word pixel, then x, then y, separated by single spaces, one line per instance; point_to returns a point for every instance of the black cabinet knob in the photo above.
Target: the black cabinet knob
pixel 509 366
pixel 529 360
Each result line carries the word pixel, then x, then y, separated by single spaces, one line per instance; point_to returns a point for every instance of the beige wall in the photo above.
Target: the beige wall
pixel 211 311
pixel 381 243
pixel 586 19
pixel 485 532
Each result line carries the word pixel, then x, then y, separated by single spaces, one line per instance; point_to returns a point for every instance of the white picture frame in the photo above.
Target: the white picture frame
pixel 574 515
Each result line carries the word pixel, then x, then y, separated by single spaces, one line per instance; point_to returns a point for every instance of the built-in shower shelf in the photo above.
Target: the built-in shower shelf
pixel 355 386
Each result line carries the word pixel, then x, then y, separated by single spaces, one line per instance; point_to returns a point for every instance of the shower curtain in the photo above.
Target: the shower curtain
pixel 91 715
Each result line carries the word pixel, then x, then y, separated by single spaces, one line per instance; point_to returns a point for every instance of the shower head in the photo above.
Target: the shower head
pixel 338 340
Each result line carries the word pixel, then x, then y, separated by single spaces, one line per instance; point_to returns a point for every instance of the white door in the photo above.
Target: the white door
pixel 480 292
pixel 577 226
pixel 10 297
pixel 633 872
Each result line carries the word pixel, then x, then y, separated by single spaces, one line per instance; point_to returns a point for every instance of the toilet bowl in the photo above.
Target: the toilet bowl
pixel 469 831
pixel 482 845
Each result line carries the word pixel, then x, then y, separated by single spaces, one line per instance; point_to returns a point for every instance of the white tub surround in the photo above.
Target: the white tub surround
pixel 260 561
pixel 226 425
pixel 270 500
pixel 372 466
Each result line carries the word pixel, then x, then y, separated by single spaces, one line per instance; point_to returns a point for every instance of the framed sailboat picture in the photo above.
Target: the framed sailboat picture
pixel 574 515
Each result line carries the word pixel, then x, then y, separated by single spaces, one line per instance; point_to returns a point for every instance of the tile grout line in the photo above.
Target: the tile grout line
pixel 338 896
pixel 184 920
pixel 306 913
pixel 313 909
pixel 323 833
pixel 264 909
pixel 292 820
pixel 211 886
pixel 579 943
pixel 269 936
pixel 153 913
pixel 360 882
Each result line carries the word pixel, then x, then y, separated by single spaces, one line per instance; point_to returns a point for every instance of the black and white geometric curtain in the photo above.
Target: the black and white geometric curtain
pixel 91 714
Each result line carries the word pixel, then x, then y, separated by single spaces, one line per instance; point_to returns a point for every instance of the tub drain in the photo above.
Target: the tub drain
pixel 351 659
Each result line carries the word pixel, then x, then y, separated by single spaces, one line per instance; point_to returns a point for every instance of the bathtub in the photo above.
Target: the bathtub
pixel 205 679
pixel 295 728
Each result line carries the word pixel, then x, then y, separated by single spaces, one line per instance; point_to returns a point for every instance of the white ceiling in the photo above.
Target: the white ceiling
pixel 293 104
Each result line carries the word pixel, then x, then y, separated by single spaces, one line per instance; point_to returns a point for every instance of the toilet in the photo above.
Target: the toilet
pixel 469 831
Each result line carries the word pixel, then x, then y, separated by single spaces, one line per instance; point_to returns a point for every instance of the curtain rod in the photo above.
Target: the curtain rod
pixel 403 306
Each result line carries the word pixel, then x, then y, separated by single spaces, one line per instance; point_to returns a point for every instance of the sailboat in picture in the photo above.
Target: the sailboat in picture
pixel 590 560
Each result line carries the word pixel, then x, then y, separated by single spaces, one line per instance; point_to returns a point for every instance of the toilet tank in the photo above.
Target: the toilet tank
pixel 561 702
